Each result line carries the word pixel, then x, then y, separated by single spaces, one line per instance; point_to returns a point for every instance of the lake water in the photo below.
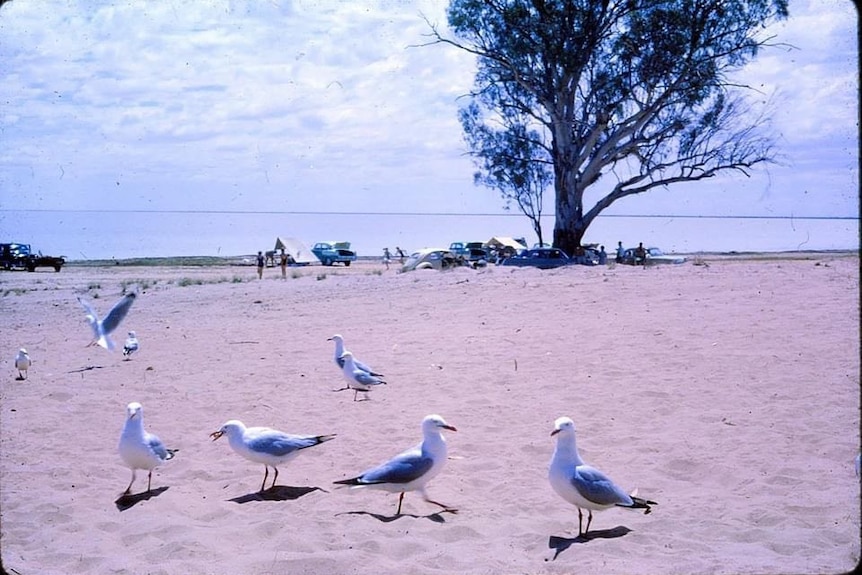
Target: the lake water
pixel 100 235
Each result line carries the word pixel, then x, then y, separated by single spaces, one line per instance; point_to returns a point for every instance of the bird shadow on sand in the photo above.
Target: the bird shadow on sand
pixel 435 517
pixel 127 501
pixel 560 544
pixel 277 493
pixel 86 368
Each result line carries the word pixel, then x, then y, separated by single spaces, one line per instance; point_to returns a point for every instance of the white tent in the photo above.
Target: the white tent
pixel 297 250
pixel 504 242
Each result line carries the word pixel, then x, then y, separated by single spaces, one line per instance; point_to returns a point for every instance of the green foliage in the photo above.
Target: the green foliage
pixel 573 90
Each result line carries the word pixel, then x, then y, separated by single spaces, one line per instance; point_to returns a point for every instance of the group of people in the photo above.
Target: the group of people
pixel 640 253
pixel 283 261
pixel 387 256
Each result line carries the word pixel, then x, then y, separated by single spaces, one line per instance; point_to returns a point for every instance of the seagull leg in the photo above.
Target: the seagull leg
pixel 589 520
pixel 445 507
pixel 400 499
pixel 129 488
pixel 580 521
pixel 265 475
pixel 149 480
pixel 274 478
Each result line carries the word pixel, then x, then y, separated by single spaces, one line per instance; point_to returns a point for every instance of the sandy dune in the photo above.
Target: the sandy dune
pixel 728 393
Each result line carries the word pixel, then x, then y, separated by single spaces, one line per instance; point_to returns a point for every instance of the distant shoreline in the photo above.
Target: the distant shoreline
pixel 249 260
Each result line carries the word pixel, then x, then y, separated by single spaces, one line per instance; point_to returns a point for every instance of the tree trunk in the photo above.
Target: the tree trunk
pixel 569 222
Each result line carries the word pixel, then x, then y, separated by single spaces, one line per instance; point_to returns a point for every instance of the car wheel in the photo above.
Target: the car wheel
pixel 57 268
pixel 347 264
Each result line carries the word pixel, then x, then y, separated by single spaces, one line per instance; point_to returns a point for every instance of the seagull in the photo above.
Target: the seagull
pixel 139 449
pixel 581 485
pixel 357 379
pixel 339 356
pixel 264 445
pixel 103 328
pixel 131 345
pixel 412 469
pixel 22 363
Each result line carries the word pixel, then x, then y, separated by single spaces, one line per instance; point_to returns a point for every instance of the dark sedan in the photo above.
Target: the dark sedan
pixel 542 258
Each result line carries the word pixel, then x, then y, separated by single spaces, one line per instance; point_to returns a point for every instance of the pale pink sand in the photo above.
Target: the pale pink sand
pixel 728 393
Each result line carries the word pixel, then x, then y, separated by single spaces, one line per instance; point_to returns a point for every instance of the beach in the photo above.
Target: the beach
pixel 725 389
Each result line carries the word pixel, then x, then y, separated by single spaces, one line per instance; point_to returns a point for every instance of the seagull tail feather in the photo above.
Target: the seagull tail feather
pixel 640 503
pixel 171 453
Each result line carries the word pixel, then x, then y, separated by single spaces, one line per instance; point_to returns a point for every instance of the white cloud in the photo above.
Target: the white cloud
pixel 306 103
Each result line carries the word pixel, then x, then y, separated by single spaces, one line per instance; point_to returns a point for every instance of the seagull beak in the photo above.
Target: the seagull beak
pixel 216 434
pixel 553 433
pixel 449 427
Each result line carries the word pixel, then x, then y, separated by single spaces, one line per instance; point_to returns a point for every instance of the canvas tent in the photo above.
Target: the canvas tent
pixel 297 250
pixel 498 242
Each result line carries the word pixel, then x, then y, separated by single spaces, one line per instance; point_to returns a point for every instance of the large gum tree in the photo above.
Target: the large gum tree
pixel 630 95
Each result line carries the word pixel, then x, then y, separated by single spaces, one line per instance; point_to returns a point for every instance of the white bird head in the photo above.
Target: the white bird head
pixel 132 334
pixel 230 428
pixel 347 357
pixel 336 338
pixel 134 409
pixel 22 351
pixel 434 422
pixel 563 425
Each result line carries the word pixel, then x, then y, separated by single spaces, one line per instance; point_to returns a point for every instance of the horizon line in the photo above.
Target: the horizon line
pixel 435 214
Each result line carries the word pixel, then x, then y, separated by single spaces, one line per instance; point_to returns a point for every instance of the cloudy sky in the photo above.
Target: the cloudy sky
pixel 328 105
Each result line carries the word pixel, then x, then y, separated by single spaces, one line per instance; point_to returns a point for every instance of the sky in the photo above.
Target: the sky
pixel 304 105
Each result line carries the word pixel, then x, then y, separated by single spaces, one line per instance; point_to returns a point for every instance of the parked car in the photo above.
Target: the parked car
pixel 19 256
pixel 431 259
pixel 334 252
pixel 654 256
pixel 542 258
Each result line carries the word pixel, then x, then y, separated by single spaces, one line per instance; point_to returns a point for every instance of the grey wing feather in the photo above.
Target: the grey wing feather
pixel 399 470
pixel 117 313
pixel 598 488
pixel 158 447
pixel 365 368
pixel 283 444
pixel 366 378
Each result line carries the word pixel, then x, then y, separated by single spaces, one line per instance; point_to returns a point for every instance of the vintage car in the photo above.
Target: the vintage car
pixel 431 259
pixel 334 252
pixel 542 258
pixel 19 256
pixel 654 256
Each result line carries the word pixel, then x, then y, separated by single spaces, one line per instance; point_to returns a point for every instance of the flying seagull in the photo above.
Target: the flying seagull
pixel 412 469
pixel 22 363
pixel 139 449
pixel 267 446
pixel 103 328
pixel 339 356
pixel 581 485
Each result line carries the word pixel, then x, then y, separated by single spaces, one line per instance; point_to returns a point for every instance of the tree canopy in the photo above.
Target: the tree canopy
pixel 634 93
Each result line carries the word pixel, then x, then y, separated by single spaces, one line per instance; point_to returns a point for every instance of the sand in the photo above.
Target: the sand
pixel 729 393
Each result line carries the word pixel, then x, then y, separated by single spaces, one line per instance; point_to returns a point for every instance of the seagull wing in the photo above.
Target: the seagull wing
pixel 365 368
pixel 92 318
pixel 404 468
pixel 157 447
pixel 117 313
pixel 281 444
pixel 598 488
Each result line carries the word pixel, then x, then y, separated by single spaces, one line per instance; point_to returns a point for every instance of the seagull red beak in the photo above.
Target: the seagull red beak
pixel 216 434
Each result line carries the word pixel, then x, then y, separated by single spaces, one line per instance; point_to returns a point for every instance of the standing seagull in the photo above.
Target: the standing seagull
pixel 22 363
pixel 131 345
pixel 103 328
pixel 339 356
pixel 264 445
pixel 582 485
pixel 357 379
pixel 412 469
pixel 139 449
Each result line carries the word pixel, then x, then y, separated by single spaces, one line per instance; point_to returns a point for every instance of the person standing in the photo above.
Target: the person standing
pixel 603 256
pixel 283 263
pixel 387 257
pixel 260 262
pixel 400 253
pixel 620 252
